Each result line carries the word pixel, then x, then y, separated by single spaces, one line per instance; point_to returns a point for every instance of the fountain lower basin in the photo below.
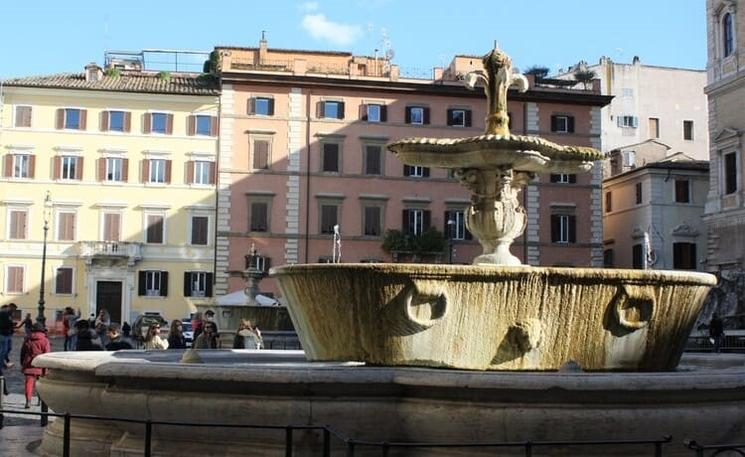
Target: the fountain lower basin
pixel 493 317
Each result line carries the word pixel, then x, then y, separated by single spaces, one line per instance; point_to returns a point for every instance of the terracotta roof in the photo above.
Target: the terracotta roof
pixel 285 50
pixel 127 81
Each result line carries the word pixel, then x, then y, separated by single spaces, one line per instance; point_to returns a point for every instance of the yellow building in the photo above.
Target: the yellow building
pixel 128 160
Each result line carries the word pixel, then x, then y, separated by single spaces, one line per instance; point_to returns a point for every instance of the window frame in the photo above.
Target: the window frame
pixel 418 109
pixel 153 115
pixel 339 109
pixel 677 260
pixel 379 117
pixel 155 171
pixel 656 122
pixel 118 228
pixel 195 292
pixel 729 43
pixel 688 126
pixel 328 204
pixel 110 127
pixel 16 117
pixel 726 183
pixel 69 163
pixel 25 168
pixel 109 170
pixel 564 233
pixel 150 278
pixel 459 234
pixel 452 117
pixel 205 172
pixel 146 228
pixel 9 215
pixel 566 123
pixel 685 196
pixel 24 278
pixel 563 178
pixel 206 118
pixel 339 155
pixel 627 121
pixel 380 206
pixel 253 225
pixel 207 229
pixel 57 283
pixel 638 193
pixel 67 111
pixel 269 112
pixel 253 139
pixel 381 158
pixel 58 225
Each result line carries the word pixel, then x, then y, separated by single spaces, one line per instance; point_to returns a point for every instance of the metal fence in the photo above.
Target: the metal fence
pixel 713 450
pixel 730 343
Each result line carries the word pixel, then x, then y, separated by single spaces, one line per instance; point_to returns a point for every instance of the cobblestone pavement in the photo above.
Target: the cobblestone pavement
pixel 20 434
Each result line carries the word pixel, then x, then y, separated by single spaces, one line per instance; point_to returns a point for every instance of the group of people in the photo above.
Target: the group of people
pixel 205 334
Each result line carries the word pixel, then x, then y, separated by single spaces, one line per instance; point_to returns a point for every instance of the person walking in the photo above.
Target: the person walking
pixel 176 339
pixel 7 327
pixel 115 339
pixel 34 345
pixel 153 340
pixel 70 319
pixel 197 324
pixel 87 339
pixel 208 338
pixel 716 332
pixel 28 323
pixel 247 336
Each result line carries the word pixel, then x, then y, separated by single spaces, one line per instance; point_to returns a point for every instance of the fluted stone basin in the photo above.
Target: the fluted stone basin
pixel 493 317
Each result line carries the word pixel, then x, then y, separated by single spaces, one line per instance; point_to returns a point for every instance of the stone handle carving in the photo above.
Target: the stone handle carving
pixel 426 292
pixel 634 306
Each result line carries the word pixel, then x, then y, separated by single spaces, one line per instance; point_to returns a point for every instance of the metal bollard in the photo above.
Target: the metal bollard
pixel 44 420
pixel 2 392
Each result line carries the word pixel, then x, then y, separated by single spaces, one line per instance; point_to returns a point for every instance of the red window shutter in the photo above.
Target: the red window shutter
pixel 214 126
pixel 147 120
pixel 57 165
pixel 79 169
pixel 169 124
pixel 145 170
pixel 8 172
pixel 168 171
pixel 190 172
pixel 191 125
pixel 60 122
pixel 83 118
pixel 213 172
pixel 31 166
pixel 102 169
pixel 127 121
pixel 125 170
pixel 104 121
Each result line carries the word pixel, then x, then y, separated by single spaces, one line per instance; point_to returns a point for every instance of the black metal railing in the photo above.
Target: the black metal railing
pixel 713 450
pixel 730 343
pixel 328 433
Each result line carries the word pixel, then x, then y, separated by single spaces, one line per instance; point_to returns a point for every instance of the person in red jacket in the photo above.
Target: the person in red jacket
pixel 36 344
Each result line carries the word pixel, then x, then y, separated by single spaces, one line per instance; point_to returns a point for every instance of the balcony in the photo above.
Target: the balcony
pixel 110 252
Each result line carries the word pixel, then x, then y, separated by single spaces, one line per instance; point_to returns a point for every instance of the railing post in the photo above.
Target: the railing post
pixel 2 394
pixel 326 443
pixel 44 421
pixel 528 449
pixel 658 449
pixel 384 448
pixel 148 438
pixel 66 436
pixel 288 441
pixel 350 448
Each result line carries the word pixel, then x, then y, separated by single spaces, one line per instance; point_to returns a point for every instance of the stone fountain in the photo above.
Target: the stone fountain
pixel 535 353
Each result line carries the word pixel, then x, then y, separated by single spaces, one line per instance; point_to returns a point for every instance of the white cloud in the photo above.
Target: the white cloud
pixel 323 29
pixel 309 6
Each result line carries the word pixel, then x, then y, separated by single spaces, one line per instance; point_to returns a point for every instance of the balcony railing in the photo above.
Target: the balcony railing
pixel 262 65
pixel 111 249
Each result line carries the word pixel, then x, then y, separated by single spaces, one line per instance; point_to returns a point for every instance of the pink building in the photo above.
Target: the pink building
pixel 302 148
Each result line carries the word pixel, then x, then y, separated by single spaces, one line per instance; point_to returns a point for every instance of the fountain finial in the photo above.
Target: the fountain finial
pixel 497 78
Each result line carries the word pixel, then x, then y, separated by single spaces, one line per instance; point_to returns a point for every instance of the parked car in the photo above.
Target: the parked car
pixel 188 332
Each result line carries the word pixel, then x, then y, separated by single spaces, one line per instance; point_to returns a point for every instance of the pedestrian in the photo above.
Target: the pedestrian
pixel 7 327
pixel 208 338
pixel 87 338
pixel 209 316
pixel 71 337
pixel 247 336
pixel 197 324
pixel 28 323
pixel 35 344
pixel 176 339
pixel 115 339
pixel 153 340
pixel 716 332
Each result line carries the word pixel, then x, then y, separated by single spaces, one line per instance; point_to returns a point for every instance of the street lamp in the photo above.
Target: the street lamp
pixel 40 319
pixel 451 227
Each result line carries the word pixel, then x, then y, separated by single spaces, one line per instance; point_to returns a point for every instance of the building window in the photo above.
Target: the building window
pixel 259 262
pixel 629 159
pixel 563 228
pixel 116 121
pixel 638 189
pixel 63 281
pixel 728 35
pixel 459 118
pixel 608 202
pixel 372 224
pixel 197 284
pixel 373 159
pixel 684 256
pixel 562 124
pixel 730 173
pixel 374 113
pixel 157 172
pixel 65 226
pixel 637 256
pixel 202 172
pixel 22 165
pixel 154 231
pixel 200 230
pixel 114 169
pixel 73 119
pixel 258 217
pixel 416 221
pixel 564 178
pixel 682 191
pixel 329 218
pixel 627 121
pixel 14 282
pixel 455 225
pixel 23 116
pixel 417 115
pixel 153 283
pixel 608 260
pixel 112 227
pixel 18 220
pixel 332 110
pixel 261 154
pixel 654 127
pixel 330 157
pixel 687 130
pixel 69 167
pixel 416 171
pixel 203 124
pixel 159 123
pixel 262 106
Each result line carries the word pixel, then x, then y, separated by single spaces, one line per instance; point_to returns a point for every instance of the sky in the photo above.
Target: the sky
pixel 52 36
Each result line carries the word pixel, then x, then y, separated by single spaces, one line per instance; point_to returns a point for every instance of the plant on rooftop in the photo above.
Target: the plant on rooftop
pixel 113 72
pixel 164 76
pixel 211 64
pixel 584 76
pixel 538 71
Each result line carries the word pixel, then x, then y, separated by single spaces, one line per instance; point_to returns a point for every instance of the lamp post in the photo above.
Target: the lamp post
pixel 40 319
pixel 451 226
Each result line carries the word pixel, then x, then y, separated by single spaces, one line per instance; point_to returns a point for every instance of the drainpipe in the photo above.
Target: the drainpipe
pixel 307 174
pixel 525 192
pixel 217 189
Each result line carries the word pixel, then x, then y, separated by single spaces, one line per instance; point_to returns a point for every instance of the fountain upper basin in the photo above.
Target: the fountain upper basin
pixel 493 317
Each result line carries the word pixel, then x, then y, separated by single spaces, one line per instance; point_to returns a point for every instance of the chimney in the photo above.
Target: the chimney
pixel 262 47
pixel 93 72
